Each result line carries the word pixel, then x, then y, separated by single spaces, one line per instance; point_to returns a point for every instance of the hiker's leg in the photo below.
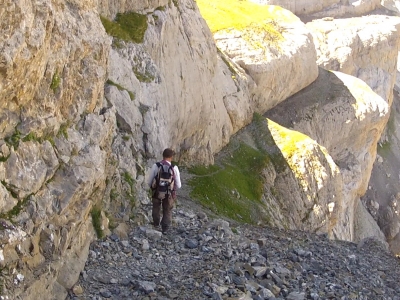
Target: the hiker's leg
pixel 156 211
pixel 167 204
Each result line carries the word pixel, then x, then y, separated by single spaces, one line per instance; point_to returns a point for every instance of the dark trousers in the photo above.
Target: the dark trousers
pixel 167 204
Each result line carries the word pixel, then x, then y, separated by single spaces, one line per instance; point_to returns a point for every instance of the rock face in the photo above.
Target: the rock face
pixel 84 115
pixel 174 92
pixel 72 146
pixel 383 192
pixel 111 8
pixel 267 63
pixel 392 5
pixel 343 45
pixel 347 106
pixel 51 61
pixel 300 7
pixel 355 46
pixel 54 144
pixel 315 9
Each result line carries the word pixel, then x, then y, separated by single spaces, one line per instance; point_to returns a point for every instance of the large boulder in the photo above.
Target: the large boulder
pixel 280 61
pixel 365 47
pixel 345 116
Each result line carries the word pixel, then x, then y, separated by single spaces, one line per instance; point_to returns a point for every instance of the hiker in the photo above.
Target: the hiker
pixel 164 180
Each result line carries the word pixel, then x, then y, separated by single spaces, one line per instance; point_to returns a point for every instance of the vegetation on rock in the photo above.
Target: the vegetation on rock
pixel 234 186
pixel 14 139
pixel 55 81
pixel 121 88
pixel 146 77
pixel 129 27
pixel 96 220
pixel 244 15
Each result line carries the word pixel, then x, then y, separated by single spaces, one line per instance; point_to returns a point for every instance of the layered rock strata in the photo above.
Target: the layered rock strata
pixel 71 150
pixel 339 103
pixel 280 63
pixel 365 47
pixel 68 154
pixel 350 46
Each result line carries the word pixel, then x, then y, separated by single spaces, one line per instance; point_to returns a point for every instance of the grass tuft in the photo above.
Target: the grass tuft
pixel 233 187
pixel 131 182
pixel 121 88
pixel 129 27
pixel 14 139
pixel 55 81
pixel 96 220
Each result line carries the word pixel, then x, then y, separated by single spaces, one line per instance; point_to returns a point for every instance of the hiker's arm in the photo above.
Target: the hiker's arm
pixel 152 174
pixel 178 183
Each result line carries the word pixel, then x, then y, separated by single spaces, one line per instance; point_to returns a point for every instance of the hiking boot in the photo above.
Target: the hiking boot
pixel 157 227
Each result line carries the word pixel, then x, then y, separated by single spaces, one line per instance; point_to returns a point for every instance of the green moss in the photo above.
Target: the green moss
pixel 126 137
pixel 146 77
pixel 14 139
pixel 175 3
pixel 31 136
pixel 96 221
pixel 129 27
pixel 290 141
pixel 235 187
pixel 162 8
pixel 63 130
pixel 16 210
pixel 55 81
pixel 51 141
pixel 4 158
pixel 113 194
pixel 121 88
pixel 131 95
pixel 131 182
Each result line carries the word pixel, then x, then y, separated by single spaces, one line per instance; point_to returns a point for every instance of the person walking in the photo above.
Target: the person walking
pixel 164 180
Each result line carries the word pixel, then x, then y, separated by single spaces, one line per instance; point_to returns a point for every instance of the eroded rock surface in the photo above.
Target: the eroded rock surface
pixel 365 47
pixel 348 107
pixel 279 68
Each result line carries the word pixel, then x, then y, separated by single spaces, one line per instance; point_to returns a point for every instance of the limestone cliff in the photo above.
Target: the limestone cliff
pixel 316 9
pixel 338 103
pixel 70 151
pixel 365 47
pixel 353 51
pixel 93 91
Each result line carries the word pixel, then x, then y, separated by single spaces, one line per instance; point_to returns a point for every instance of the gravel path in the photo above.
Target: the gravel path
pixel 207 258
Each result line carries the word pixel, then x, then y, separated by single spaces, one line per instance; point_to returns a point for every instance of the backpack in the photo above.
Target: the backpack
pixel 163 182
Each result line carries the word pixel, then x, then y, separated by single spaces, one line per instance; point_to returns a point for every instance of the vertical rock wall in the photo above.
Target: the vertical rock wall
pixel 55 144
